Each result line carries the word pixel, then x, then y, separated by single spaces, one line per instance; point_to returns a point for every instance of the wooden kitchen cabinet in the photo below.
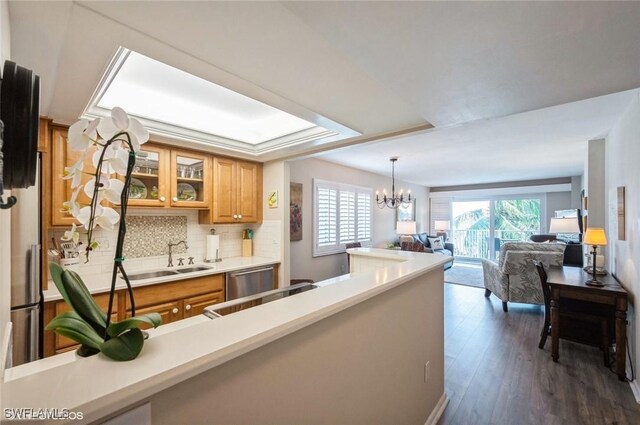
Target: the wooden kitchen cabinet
pixel 194 306
pixel 190 179
pixel 169 312
pixel 55 343
pixel 174 301
pixel 150 179
pixel 237 192
pixel 61 157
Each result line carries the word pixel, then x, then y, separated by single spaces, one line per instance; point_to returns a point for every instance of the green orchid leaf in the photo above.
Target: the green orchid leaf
pixel 71 325
pixel 82 302
pixel 153 319
pixel 86 351
pixel 56 274
pixel 124 347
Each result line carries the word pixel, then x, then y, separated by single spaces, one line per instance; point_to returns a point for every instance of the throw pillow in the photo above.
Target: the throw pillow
pixel 436 243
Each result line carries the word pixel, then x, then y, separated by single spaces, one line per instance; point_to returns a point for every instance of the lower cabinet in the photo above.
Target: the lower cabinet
pixel 172 300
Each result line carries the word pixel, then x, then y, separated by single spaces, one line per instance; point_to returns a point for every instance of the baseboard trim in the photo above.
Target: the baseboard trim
pixel 635 387
pixel 437 411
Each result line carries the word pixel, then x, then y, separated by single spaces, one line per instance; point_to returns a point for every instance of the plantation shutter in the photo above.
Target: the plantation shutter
pixel 327 222
pixel 342 215
pixel 363 217
pixel 347 216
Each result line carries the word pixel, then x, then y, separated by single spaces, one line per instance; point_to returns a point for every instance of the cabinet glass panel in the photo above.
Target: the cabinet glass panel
pixel 190 174
pixel 144 179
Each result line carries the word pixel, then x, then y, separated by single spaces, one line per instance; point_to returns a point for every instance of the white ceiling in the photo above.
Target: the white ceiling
pixel 545 143
pixel 376 67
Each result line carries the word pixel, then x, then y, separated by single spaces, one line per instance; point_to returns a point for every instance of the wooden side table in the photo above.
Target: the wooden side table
pixel 569 283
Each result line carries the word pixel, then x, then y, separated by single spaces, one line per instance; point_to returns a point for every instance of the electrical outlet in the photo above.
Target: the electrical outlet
pixel 343 268
pixel 427 371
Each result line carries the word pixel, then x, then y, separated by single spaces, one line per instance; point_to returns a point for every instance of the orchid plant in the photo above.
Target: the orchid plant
pixel 115 141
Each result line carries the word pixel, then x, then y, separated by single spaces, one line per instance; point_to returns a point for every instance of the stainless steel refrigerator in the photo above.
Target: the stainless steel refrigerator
pixel 26 288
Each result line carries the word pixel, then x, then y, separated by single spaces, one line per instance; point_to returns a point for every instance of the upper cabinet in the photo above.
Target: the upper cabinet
pixel 237 191
pixel 227 190
pixel 62 157
pixel 150 178
pixel 190 179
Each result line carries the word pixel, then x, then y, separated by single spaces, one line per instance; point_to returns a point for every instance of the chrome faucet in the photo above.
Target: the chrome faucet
pixel 171 245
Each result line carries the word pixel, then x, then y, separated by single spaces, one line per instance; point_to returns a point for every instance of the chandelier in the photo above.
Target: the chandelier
pixel 393 201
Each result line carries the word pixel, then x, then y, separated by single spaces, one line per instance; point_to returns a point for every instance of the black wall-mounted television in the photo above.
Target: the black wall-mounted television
pixel 19 112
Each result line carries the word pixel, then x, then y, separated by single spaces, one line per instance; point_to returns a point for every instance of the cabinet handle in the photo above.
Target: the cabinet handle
pixel 162 199
pixel 175 199
pixel 235 216
pixel 175 310
pixel 239 216
pixel 188 307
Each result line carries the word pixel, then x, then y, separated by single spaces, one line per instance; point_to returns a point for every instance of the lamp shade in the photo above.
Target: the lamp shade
pixel 405 227
pixel 564 225
pixel 441 224
pixel 595 236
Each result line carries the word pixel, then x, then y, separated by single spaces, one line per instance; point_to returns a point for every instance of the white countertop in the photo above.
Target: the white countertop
pixel 226 265
pixel 178 351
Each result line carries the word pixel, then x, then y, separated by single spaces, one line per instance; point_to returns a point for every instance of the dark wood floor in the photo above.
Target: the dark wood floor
pixel 495 373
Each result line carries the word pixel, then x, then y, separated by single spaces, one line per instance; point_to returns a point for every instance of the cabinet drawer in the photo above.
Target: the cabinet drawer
pixel 178 290
pixel 195 305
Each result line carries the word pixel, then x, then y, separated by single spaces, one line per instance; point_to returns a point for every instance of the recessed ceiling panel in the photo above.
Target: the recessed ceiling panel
pixel 151 89
pixel 178 105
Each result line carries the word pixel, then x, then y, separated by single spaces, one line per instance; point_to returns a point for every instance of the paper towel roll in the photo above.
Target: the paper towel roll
pixel 213 247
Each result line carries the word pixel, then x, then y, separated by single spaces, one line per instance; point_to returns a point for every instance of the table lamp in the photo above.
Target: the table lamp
pixel 406 229
pixel 595 237
pixel 564 225
pixel 441 227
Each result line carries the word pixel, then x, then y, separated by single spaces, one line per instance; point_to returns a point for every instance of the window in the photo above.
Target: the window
pixel 342 214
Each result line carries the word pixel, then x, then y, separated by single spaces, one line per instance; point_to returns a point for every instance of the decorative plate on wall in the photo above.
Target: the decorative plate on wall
pixel 137 189
pixel 186 192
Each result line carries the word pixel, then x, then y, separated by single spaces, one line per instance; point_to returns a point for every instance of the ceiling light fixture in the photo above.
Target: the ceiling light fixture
pixel 393 201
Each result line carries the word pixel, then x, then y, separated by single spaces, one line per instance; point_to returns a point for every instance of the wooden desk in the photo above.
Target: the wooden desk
pixel 568 283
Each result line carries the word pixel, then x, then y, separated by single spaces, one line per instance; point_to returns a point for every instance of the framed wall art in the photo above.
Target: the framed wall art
pixel 295 211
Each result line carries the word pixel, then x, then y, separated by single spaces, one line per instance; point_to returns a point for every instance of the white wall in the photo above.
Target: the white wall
pixel 595 188
pixel 623 154
pixel 556 201
pixel 303 264
pixel 275 176
pixel 5 215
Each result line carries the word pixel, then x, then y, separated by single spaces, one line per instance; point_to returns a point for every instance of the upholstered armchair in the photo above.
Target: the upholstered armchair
pixel 514 277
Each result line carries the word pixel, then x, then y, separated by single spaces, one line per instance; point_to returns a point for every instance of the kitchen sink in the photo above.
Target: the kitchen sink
pixel 149 275
pixel 193 269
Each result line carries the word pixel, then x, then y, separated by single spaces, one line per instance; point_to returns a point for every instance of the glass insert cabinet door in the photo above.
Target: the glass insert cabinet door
pixel 148 180
pixel 190 179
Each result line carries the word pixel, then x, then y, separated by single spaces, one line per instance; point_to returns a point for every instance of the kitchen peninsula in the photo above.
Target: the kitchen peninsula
pixel 362 348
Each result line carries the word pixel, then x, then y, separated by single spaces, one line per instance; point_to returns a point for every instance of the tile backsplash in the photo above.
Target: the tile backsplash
pixel 150 235
pixel 149 231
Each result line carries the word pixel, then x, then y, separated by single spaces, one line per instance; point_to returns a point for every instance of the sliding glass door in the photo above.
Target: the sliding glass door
pixel 480 227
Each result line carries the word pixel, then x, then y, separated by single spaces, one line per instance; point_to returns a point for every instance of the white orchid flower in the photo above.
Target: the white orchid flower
pixel 74 172
pixel 83 134
pixel 119 122
pixel 111 189
pixel 71 235
pixel 72 206
pixel 104 217
pixel 107 218
pixel 120 161
pixel 115 159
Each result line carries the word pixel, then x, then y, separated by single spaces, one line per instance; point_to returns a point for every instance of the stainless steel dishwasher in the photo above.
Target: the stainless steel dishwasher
pixel 243 283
